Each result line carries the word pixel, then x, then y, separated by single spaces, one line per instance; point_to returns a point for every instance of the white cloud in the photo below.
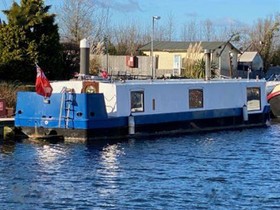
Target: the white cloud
pixel 121 5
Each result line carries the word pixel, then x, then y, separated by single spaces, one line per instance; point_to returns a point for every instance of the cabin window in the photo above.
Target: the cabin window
pixel 137 101
pixel 195 98
pixel 253 99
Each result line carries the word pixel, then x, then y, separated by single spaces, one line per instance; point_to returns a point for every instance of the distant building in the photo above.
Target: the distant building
pixel 170 56
pixel 251 61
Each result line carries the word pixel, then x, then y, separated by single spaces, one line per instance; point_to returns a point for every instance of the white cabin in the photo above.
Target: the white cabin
pixel 145 97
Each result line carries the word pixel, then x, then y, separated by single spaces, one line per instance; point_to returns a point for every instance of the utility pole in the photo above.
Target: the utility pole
pixel 152 45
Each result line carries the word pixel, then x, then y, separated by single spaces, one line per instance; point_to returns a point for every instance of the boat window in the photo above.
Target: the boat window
pixel 253 98
pixel 195 98
pixel 154 104
pixel 137 101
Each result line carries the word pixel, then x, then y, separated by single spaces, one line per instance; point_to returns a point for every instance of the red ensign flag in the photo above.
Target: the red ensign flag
pixel 42 85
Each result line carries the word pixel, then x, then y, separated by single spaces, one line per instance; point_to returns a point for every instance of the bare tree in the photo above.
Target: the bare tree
pixel 165 31
pixel 170 27
pixel 102 24
pixel 263 37
pixel 80 19
pixel 128 38
pixel 75 19
pixel 146 35
pixel 190 31
pixel 208 30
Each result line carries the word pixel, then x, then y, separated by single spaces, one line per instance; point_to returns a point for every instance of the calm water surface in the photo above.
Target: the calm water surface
pixel 222 170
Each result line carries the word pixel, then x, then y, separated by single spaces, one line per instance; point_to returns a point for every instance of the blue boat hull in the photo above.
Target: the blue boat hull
pixel 170 128
pixel 88 120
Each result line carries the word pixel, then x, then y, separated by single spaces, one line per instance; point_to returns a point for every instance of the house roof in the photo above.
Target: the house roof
pixel 172 46
pixel 247 56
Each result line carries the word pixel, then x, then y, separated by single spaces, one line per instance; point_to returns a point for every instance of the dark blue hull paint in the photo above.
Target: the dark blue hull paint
pixel 87 119
pixel 170 128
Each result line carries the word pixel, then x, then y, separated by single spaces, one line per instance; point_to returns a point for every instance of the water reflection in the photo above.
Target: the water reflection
pixel 48 154
pixel 7 147
pixel 109 170
pixel 219 170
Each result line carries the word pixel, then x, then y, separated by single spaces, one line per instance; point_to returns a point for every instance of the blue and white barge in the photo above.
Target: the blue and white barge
pixel 86 110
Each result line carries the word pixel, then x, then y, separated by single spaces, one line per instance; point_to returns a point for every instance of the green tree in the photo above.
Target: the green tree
pixel 276 57
pixel 30 36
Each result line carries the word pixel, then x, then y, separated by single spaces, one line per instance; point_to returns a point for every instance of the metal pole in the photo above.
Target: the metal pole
pixel 152 45
pixel 107 56
pixel 207 64
pixel 230 64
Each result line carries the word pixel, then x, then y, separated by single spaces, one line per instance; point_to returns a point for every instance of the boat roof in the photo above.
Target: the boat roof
pixel 185 81
pixel 166 81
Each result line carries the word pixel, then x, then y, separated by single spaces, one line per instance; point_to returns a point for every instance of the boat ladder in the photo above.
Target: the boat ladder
pixel 66 108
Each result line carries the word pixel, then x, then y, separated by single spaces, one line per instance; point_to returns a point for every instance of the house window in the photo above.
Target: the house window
pixel 177 65
pixel 195 98
pixel 137 101
pixel 253 98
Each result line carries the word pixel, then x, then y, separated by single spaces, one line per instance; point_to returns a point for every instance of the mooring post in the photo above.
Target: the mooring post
pixel 207 64
pixel 84 57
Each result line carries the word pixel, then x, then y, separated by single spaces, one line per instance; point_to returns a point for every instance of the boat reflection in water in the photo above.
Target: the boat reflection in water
pixel 7 147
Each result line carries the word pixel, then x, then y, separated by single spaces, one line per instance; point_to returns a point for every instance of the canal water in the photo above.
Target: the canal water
pixel 219 170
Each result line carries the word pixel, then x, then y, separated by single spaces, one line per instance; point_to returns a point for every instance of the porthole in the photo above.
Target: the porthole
pixel 90 89
pixel 79 114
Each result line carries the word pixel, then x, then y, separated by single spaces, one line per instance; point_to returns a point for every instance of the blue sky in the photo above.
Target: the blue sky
pixel 218 11
pixel 222 12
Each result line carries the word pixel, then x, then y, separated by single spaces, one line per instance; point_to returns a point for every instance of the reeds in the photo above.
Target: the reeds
pixel 8 92
pixel 95 61
pixel 194 64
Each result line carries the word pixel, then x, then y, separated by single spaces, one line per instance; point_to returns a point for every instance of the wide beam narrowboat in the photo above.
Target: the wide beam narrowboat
pixel 91 109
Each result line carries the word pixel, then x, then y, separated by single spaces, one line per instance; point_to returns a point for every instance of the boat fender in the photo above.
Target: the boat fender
pixel 245 113
pixel 131 125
